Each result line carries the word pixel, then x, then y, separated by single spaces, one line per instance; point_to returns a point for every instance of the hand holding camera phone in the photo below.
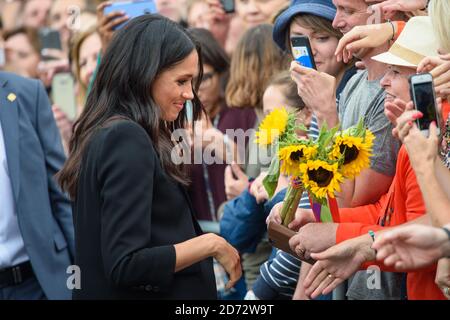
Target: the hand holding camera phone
pixel 63 94
pixel 49 39
pixel 132 9
pixel 424 98
pixel 302 52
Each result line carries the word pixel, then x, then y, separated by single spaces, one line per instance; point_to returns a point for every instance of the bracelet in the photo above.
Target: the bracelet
pixel 393 30
pixel 372 235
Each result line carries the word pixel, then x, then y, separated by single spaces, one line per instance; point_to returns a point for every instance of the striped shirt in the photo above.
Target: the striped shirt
pixel 282 271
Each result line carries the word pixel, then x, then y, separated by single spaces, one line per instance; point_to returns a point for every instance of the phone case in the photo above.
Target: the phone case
pixel 63 94
pixel 279 237
pixel 301 50
pixel 132 9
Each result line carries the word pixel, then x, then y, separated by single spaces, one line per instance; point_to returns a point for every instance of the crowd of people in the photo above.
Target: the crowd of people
pixel 98 108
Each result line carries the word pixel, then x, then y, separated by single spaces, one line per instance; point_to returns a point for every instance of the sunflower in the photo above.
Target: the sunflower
pixel 356 153
pixel 292 156
pixel 321 178
pixel 273 126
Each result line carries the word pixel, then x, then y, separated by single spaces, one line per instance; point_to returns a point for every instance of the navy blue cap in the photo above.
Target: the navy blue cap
pixel 320 8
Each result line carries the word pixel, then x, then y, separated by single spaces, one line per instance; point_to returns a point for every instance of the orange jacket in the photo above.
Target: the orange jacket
pixel 401 204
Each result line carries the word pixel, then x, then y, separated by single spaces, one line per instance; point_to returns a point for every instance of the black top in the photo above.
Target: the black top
pixel 128 214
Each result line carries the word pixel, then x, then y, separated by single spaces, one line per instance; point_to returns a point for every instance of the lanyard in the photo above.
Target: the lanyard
pixel 209 193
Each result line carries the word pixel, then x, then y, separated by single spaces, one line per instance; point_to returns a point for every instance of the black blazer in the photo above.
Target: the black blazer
pixel 128 214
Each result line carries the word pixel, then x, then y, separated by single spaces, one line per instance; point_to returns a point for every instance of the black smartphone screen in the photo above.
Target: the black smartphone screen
pixel 425 103
pixel 301 50
pixel 228 5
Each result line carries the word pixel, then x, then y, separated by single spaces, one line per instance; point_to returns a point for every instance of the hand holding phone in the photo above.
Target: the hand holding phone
pixel 132 9
pixel 302 52
pixel 424 99
pixel 63 94
pixel 50 40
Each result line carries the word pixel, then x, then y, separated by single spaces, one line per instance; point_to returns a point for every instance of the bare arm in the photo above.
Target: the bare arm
pixel 362 190
pixel 300 289
pixel 209 245
pixel 435 187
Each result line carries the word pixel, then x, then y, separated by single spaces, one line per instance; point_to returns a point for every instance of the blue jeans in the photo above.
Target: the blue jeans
pixel 30 289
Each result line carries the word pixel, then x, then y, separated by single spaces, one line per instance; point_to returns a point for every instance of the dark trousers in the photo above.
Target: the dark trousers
pixel 30 289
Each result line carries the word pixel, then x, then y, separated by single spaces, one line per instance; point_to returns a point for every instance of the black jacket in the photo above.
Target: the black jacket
pixel 128 214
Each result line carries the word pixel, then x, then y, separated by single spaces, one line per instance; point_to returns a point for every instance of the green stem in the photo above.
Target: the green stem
pixel 290 205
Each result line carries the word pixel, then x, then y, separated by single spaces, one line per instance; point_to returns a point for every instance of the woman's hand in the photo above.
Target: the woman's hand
pixel 390 8
pixel 236 181
pixel 48 68
pixel 302 217
pixel 229 258
pixel 439 67
pixel 218 21
pixel 318 91
pixel 258 190
pixel 64 125
pixel 106 24
pixel 335 265
pixel 422 151
pixel 361 38
pixel 393 110
pixel 443 276
pixel 313 237
pixel 411 247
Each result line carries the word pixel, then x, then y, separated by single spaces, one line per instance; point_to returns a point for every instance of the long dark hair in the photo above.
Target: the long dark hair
pixel 137 54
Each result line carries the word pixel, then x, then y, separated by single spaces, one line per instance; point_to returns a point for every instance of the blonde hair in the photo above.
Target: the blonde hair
pixel 77 41
pixel 254 61
pixel 439 13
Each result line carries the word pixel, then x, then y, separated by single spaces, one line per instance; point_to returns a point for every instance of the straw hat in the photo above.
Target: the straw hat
pixel 416 42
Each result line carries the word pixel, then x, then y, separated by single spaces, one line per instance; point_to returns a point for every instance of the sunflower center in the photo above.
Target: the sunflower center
pixel 297 155
pixel 321 176
pixel 350 153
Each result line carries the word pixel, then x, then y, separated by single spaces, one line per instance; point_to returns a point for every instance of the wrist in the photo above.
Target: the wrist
pixel 365 246
pixel 445 231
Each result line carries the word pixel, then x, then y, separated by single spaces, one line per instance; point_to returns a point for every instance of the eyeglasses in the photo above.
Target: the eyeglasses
pixel 206 80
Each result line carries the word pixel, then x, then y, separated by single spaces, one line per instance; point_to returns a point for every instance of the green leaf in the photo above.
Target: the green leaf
pixel 270 182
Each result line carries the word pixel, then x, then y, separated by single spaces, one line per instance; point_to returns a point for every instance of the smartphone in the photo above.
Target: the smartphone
pixel 132 9
pixel 279 237
pixel 301 50
pixel 228 6
pixel 424 98
pixel 49 39
pixel 63 94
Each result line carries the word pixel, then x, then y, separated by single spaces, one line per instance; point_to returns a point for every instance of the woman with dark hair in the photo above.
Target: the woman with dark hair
pixel 136 236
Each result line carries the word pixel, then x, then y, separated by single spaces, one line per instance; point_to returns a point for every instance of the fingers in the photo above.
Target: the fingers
pixel 384 251
pixel 392 259
pixel 313 273
pixel 441 74
pixel 275 214
pixel 345 41
pixel 316 282
pixel 329 279
pixel 113 20
pixel 238 171
pixel 332 286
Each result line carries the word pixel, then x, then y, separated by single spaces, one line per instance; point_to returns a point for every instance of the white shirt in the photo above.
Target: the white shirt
pixel 12 248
